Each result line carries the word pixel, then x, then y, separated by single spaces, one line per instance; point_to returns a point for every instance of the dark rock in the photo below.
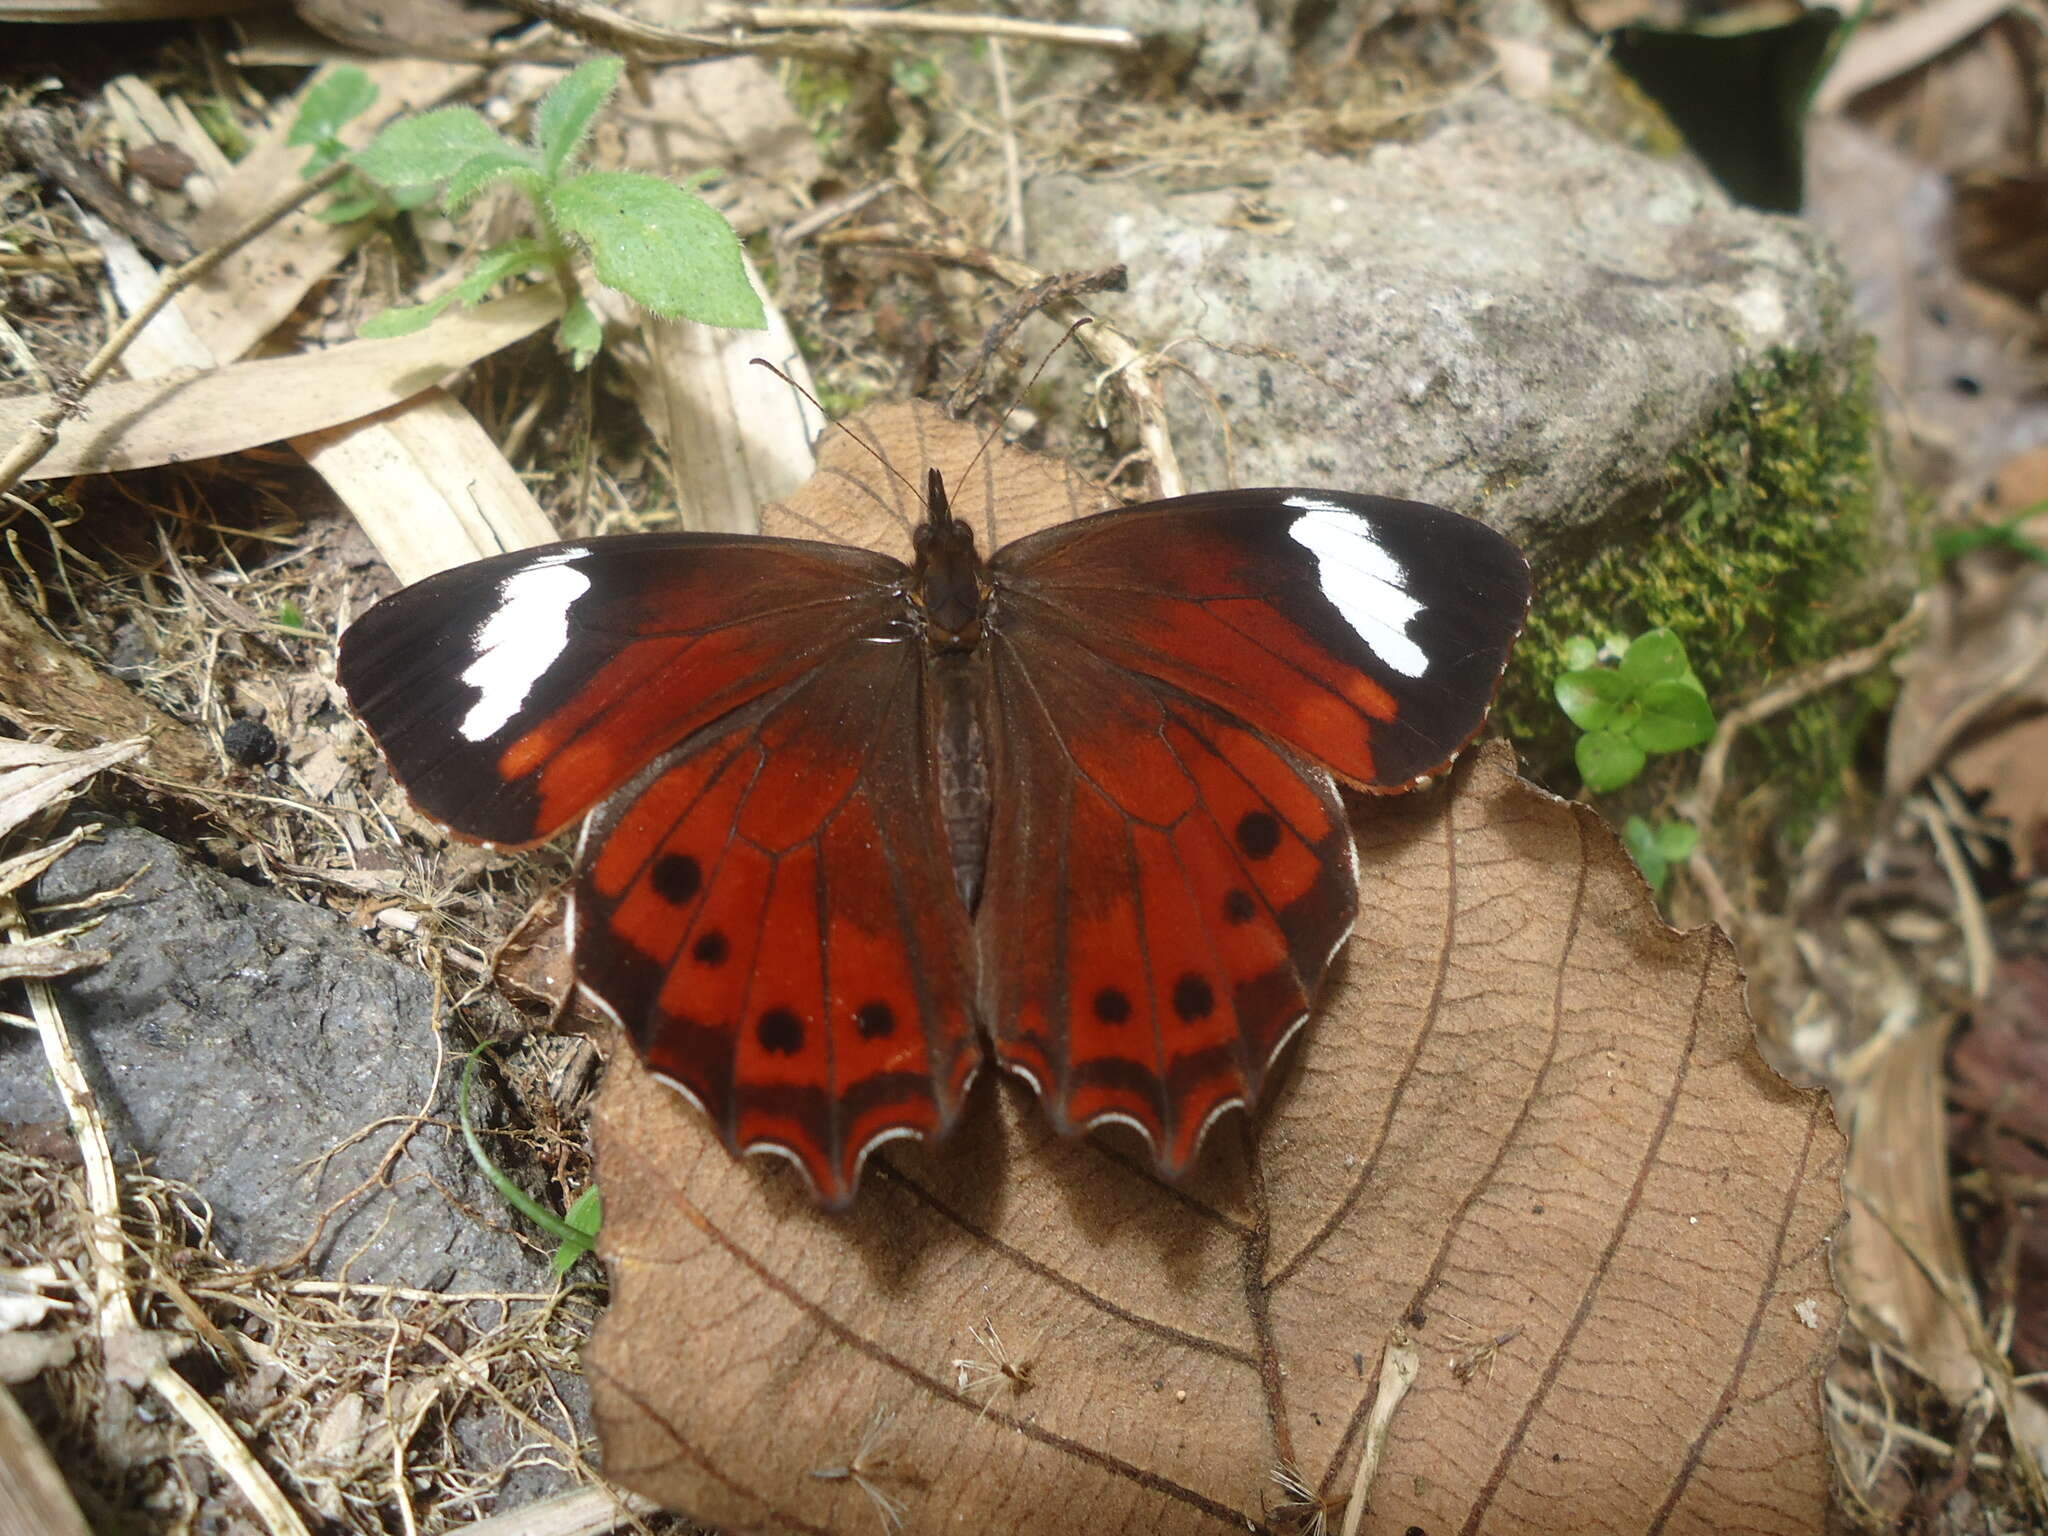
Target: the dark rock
pixel 235 1038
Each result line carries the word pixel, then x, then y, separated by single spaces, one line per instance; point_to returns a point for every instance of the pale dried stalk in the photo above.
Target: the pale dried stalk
pixel 585 1512
pixel 121 1333
pixel 1398 1368
pixel 770 18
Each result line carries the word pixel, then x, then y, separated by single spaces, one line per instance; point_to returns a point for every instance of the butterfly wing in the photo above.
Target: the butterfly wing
pixel 770 912
pixel 765 903
pixel 1368 634
pixel 513 694
pixel 1174 873
pixel 1164 892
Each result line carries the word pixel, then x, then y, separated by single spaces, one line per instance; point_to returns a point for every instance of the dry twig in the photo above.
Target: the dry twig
pixel 1121 359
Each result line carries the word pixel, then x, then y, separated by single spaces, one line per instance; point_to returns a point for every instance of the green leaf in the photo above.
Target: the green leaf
pixel 499 263
pixel 404 320
pixel 1677 839
pixel 346 210
pixel 1607 760
pixel 563 119
pixel 1675 715
pixel 580 332
pixel 1653 656
pixel 1581 654
pixel 425 151
pixel 1642 844
pixel 669 252
pixel 514 163
pixel 586 1217
pixel 290 615
pixel 336 97
pixel 322 157
pixel 1591 698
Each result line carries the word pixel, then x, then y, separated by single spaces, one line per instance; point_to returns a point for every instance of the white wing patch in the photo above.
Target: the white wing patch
pixel 1365 584
pixel 517 644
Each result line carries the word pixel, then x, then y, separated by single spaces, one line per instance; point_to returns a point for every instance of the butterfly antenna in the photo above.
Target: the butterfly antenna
pixel 866 447
pixel 1018 398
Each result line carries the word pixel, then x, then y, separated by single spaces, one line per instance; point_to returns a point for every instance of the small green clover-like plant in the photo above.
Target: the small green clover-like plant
pixel 576 1232
pixel 1649 701
pixel 1657 846
pixel 659 244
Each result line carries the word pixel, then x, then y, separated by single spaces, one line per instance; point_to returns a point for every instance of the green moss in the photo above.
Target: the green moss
pixel 824 95
pixel 1761 544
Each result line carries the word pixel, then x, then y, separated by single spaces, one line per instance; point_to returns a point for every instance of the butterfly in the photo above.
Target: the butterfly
pixel 857 825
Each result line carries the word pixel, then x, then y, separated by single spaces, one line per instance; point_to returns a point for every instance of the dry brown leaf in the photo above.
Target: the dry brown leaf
pixel 34 776
pixel 170 419
pixel 1983 663
pixel 1528 1128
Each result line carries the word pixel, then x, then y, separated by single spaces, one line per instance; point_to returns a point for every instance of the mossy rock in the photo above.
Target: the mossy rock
pixel 1764 554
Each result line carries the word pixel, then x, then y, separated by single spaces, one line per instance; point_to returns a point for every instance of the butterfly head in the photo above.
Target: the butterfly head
pixel 948 581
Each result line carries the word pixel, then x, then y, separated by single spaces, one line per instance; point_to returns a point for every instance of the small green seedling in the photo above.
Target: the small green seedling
pixel 334 100
pixel 661 245
pixel 1649 701
pixel 577 1232
pixel 1951 544
pixel 1658 846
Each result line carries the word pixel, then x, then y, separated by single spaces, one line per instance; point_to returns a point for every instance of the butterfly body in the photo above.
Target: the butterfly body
pixel 862 825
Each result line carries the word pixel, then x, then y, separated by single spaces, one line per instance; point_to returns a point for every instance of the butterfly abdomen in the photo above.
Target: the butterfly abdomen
pixel 956 688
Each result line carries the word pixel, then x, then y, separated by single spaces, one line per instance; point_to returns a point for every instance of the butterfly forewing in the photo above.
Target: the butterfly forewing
pixel 769 911
pixel 1368 634
pixel 513 694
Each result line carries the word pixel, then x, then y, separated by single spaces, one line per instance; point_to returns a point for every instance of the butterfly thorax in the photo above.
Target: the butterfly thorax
pixel 949 584
pixel 949 589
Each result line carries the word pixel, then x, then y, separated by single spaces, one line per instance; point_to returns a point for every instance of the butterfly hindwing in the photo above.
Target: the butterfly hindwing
pixel 769 911
pixel 1368 634
pixel 513 694
pixel 1165 890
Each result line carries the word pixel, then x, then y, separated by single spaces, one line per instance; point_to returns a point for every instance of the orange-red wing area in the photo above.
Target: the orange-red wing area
pixel 1368 634
pixel 770 912
pixel 513 694
pixel 1166 888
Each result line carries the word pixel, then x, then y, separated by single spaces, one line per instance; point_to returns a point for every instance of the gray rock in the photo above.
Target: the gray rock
pixel 1510 315
pixel 235 1038
pixel 1212 47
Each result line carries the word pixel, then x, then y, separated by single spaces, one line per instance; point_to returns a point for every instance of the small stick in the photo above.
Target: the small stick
pixel 1707 789
pixel 1978 949
pixel 42 433
pixel 1796 690
pixel 1013 170
pixel 1119 357
pixel 1061 287
pixel 1398 1368
pixel 766 18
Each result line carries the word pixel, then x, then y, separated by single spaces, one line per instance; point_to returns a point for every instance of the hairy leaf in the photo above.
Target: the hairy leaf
pixel 669 252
